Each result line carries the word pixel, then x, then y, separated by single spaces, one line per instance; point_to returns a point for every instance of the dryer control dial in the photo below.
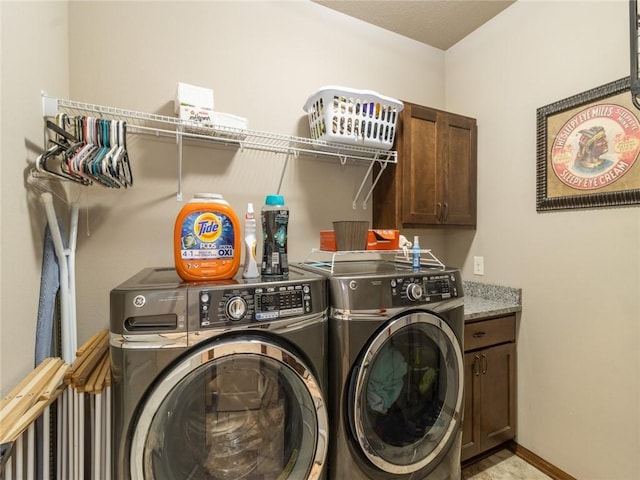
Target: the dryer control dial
pixel 414 291
pixel 236 308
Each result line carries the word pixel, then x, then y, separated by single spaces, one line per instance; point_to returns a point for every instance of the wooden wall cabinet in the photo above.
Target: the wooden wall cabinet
pixel 490 384
pixel 434 181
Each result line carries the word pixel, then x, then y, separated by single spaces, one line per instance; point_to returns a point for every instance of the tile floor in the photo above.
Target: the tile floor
pixel 502 465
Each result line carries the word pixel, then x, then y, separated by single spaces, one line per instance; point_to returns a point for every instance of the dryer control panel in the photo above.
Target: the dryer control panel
pixel 216 307
pixel 430 288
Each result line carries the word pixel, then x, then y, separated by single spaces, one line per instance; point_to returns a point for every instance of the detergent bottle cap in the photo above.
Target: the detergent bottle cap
pixel 274 200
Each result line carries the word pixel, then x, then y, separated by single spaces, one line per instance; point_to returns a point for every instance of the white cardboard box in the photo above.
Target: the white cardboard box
pixel 195 114
pixel 193 96
pixel 228 120
pixel 209 118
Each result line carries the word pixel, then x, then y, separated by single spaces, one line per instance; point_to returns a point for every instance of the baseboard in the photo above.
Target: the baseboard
pixel 481 456
pixel 538 462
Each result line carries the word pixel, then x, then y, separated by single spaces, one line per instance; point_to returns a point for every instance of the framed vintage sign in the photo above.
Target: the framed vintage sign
pixel 587 150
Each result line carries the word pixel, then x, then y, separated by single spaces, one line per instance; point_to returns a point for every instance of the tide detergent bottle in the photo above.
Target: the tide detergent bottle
pixel 207 243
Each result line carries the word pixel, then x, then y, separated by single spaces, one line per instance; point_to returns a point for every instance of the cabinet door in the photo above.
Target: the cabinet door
pixel 471 416
pixel 498 394
pixel 434 181
pixel 459 157
pixel 422 173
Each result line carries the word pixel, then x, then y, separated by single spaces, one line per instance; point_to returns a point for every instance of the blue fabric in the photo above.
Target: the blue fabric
pixel 386 379
pixel 49 285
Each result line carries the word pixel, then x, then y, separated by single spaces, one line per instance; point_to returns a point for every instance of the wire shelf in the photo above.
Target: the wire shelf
pixel 162 125
pixel 327 260
pixel 245 138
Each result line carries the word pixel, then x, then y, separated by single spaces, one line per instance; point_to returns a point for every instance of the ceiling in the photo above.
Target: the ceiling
pixel 439 23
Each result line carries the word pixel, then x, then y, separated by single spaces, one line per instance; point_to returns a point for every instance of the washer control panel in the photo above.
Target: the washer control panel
pixel 251 304
pixel 423 288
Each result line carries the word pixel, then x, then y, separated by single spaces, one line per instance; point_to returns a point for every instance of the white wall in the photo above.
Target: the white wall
pixel 263 60
pixel 34 56
pixel 578 355
pixel 579 331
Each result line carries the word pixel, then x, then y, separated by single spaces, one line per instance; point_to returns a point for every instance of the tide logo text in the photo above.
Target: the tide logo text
pixel 208 227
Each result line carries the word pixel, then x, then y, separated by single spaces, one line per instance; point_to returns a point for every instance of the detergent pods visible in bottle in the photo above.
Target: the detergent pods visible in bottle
pixel 275 221
pixel 250 269
pixel 207 243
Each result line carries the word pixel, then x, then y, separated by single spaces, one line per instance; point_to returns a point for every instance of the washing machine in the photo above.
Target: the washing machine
pixel 219 380
pixel 395 369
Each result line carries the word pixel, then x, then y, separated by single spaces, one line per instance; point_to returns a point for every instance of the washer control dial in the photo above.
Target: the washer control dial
pixel 236 308
pixel 414 291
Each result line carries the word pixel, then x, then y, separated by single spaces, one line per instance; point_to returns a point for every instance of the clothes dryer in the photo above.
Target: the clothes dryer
pixel 219 380
pixel 395 369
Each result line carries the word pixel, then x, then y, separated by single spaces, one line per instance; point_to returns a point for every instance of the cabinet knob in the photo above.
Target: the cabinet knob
pixel 485 364
pixel 476 366
pixel 445 212
pixel 439 211
pixel 479 334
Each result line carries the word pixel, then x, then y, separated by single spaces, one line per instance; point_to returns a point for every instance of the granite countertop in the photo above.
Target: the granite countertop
pixel 485 300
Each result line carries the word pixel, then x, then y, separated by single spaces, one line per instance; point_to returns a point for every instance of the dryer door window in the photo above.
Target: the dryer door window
pixel 406 393
pixel 235 409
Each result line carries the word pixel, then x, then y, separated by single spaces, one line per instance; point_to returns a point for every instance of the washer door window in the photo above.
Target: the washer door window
pixel 235 409
pixel 406 395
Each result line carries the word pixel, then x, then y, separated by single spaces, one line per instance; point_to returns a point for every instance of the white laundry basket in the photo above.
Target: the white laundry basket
pixel 355 117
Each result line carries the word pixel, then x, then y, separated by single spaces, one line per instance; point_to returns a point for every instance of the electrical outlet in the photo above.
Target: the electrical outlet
pixel 478 265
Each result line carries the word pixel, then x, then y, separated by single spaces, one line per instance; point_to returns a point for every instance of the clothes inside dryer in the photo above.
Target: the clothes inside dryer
pixel 395 366
pixel 241 417
pixel 409 392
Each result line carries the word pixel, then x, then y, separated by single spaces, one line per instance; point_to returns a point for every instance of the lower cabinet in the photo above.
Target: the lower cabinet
pixel 490 384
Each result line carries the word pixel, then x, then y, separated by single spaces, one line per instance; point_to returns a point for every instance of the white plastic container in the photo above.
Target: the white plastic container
pixel 250 269
pixel 356 117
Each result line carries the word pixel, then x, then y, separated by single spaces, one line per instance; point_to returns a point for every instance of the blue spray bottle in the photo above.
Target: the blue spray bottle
pixel 415 254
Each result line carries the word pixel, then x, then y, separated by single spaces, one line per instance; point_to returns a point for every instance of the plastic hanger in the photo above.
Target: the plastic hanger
pixel 121 163
pixel 54 152
pixel 89 150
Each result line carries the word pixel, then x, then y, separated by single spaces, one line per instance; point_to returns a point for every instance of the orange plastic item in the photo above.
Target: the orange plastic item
pixel 207 243
pixel 376 240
